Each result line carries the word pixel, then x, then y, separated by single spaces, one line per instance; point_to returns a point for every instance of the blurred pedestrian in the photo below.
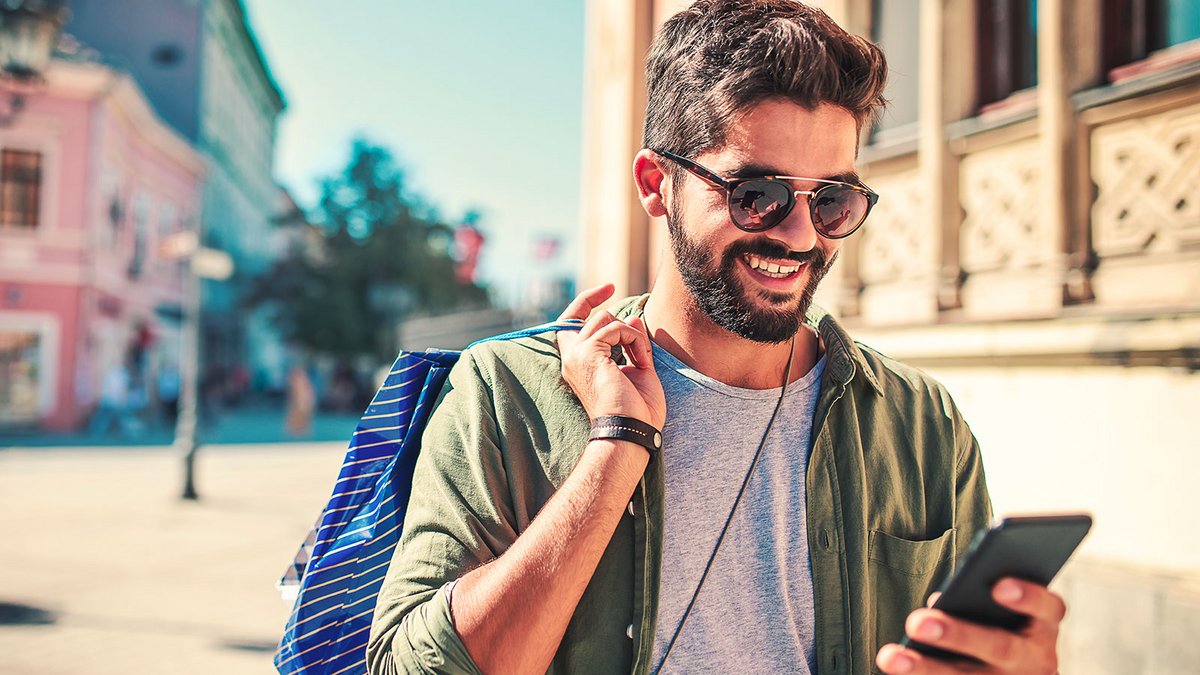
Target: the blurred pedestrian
pixel 168 385
pixel 301 400
pixel 113 406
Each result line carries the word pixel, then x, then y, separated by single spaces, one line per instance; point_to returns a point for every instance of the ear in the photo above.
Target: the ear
pixel 650 180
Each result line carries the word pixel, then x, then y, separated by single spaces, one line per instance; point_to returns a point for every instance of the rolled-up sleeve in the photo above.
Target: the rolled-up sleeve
pixel 459 517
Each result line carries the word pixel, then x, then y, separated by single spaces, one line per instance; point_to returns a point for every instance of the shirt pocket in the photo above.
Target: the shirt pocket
pixel 903 573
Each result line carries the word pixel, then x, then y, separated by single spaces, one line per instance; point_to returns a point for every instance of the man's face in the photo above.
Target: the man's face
pixel 729 272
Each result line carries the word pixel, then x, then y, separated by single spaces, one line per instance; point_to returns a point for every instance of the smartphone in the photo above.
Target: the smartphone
pixel 1033 548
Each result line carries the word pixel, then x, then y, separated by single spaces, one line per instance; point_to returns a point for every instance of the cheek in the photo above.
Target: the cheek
pixel 831 248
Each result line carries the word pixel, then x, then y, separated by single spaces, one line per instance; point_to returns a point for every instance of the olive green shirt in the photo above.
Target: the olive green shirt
pixel 895 490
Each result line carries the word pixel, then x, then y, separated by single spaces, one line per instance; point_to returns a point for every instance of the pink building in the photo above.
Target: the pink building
pixel 91 182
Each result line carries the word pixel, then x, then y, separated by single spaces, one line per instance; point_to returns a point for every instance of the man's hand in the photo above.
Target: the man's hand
pixel 604 388
pixel 1031 651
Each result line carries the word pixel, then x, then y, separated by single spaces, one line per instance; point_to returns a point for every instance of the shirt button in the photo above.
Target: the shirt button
pixel 629 631
pixel 631 509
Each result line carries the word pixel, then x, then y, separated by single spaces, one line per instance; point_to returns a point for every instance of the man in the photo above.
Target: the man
pixel 808 494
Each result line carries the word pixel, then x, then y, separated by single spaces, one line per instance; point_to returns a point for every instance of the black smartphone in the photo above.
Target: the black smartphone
pixel 1033 548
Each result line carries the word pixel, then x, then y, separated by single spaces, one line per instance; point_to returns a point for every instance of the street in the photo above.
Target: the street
pixel 103 569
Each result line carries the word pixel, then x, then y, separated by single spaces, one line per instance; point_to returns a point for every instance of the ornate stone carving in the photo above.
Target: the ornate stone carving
pixel 1003 227
pixel 898 241
pixel 1147 171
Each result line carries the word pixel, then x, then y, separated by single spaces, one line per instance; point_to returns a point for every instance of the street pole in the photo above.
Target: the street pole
pixel 186 441
pixel 198 263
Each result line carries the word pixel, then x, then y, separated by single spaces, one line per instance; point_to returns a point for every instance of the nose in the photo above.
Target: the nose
pixel 797 231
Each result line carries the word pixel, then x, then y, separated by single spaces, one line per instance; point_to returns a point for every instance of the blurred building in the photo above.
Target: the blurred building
pixel 201 68
pixel 1036 247
pixel 92 183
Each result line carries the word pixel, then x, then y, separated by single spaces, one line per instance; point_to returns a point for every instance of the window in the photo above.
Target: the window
pixel 21 387
pixel 141 231
pixel 1131 30
pixel 1007 58
pixel 20 188
pixel 895 27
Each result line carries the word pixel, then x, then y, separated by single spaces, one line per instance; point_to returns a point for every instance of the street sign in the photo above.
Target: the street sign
pixel 209 263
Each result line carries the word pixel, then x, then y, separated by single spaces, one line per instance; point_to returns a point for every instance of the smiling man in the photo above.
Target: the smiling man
pixel 714 476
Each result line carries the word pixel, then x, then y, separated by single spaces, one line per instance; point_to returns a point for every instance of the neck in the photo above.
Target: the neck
pixel 690 336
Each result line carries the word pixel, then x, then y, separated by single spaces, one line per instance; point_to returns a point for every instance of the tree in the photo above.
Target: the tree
pixel 373 255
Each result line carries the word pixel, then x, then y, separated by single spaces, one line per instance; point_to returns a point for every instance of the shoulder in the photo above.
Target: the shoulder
pixel 519 376
pixel 903 381
pixel 533 356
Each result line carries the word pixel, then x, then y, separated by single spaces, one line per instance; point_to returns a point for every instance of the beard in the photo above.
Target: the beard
pixel 721 295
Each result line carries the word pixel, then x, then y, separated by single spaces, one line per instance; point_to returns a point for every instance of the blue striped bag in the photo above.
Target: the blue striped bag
pixel 340 567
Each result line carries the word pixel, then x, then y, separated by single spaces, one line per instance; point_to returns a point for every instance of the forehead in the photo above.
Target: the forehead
pixel 785 138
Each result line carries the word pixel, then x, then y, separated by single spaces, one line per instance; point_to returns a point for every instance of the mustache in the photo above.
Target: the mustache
pixel 765 248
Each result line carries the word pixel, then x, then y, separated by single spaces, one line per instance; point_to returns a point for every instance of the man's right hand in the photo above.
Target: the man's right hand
pixel 603 387
pixel 512 613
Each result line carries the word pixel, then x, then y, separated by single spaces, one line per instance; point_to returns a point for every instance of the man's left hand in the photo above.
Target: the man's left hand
pixel 1030 651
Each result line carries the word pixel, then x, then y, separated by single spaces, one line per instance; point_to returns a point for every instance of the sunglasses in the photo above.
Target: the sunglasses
pixel 758 204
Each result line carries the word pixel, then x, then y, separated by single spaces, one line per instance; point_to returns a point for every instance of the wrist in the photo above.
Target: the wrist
pixel 627 430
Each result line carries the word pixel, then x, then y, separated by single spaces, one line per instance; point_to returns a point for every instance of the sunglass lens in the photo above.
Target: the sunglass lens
pixel 837 211
pixel 759 204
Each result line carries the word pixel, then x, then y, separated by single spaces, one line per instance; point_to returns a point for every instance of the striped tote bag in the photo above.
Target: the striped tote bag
pixel 337 573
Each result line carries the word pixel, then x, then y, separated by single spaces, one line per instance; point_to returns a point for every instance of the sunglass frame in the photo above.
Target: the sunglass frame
pixel 730 184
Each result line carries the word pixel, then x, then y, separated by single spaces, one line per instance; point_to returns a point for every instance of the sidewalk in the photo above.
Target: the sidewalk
pixel 131 579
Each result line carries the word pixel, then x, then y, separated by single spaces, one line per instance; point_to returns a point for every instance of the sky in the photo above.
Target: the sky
pixel 479 101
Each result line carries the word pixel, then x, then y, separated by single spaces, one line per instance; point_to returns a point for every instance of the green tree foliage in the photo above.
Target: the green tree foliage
pixel 372 255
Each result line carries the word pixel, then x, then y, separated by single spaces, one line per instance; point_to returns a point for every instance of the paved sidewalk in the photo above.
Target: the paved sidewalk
pixel 134 580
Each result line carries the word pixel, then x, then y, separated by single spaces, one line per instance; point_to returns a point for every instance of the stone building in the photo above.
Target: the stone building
pixel 1036 247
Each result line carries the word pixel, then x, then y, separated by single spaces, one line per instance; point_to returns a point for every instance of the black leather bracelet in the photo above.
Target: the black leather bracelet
pixel 616 427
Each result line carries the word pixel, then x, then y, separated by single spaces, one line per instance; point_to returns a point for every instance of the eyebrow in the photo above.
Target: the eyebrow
pixel 758 170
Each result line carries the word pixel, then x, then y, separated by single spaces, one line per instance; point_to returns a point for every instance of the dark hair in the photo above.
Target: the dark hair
pixel 719 58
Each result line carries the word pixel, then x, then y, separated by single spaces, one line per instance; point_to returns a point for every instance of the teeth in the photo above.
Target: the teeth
pixel 769 268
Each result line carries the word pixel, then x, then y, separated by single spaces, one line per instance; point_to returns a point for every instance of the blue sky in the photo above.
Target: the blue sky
pixel 480 101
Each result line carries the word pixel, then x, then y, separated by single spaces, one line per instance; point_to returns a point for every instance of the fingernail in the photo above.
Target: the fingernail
pixel 931 629
pixel 902 664
pixel 1008 591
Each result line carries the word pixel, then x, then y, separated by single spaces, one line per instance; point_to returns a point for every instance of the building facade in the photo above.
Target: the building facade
pixel 91 183
pixel 1036 247
pixel 201 67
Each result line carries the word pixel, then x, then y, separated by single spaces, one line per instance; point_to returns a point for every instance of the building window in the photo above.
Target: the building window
pixel 20 387
pixel 895 27
pixel 1007 58
pixel 1131 30
pixel 20 188
pixel 141 231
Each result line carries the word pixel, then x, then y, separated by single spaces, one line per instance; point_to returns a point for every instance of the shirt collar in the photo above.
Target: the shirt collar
pixel 844 356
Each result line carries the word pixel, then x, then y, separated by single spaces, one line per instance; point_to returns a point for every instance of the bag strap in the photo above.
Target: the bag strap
pixel 568 324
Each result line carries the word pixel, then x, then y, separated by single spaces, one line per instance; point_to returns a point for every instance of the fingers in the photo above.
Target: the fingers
pixel 594 323
pixel 896 660
pixel 1043 605
pixel 585 302
pixel 1031 650
pixel 615 333
pixel 994 646
pixel 933 597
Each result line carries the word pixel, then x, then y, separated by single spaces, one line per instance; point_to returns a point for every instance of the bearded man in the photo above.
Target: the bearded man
pixel 713 476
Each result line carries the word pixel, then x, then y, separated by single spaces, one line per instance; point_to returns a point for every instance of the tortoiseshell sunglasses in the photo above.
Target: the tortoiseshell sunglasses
pixel 760 203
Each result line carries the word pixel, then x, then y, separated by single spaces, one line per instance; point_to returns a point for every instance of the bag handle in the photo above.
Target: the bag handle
pixel 553 326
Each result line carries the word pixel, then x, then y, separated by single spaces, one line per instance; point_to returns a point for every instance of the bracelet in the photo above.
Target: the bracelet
pixel 616 427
